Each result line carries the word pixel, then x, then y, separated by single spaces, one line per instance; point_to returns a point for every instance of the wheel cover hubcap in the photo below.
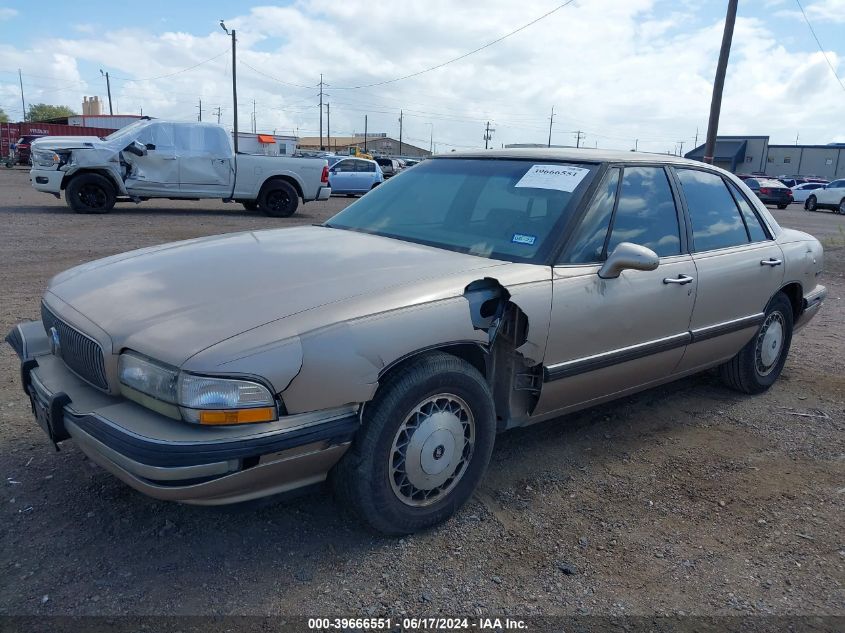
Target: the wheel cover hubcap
pixel 769 343
pixel 431 450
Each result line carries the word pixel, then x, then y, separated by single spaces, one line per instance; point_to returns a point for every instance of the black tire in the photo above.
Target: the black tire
pixel 250 205
pixel 90 193
pixel 841 209
pixel 782 206
pixel 753 370
pixel 278 199
pixel 373 479
pixel 811 204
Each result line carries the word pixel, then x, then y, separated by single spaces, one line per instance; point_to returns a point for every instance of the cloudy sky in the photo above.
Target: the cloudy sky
pixel 616 70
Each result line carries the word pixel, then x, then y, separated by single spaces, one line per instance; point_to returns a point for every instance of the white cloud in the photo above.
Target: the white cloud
pixel 832 11
pixel 617 71
pixel 7 13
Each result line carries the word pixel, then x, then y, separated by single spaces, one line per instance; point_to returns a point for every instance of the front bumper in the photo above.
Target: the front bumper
pixel 811 304
pixel 47 180
pixel 172 460
pixel 324 193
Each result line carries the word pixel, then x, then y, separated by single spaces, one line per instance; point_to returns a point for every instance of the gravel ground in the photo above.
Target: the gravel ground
pixel 685 499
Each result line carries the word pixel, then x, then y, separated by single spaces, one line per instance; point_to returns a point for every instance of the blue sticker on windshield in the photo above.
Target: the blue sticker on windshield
pixel 519 238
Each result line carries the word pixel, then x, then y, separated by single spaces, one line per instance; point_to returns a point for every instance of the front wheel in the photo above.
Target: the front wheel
pixel 90 193
pixel 811 203
pixel 423 448
pixel 782 206
pixel 842 207
pixel 757 365
pixel 278 199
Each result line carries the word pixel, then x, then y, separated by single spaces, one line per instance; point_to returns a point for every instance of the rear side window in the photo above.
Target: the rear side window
pixel 716 221
pixel 755 230
pixel 363 165
pixel 588 241
pixel 645 213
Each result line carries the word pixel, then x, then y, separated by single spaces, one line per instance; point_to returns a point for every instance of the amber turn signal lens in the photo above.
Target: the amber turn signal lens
pixel 238 416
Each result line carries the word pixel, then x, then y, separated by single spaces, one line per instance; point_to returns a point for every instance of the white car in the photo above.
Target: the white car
pixel 830 196
pixel 801 192
pixel 163 159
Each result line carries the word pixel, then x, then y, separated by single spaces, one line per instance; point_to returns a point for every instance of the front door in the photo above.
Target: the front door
pixel 609 336
pixel 342 176
pixel 157 173
pixel 739 267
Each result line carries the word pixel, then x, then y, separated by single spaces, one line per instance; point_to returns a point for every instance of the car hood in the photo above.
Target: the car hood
pixel 172 301
pixel 67 142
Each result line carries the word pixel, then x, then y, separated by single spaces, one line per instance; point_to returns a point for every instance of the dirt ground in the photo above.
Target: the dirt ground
pixel 687 499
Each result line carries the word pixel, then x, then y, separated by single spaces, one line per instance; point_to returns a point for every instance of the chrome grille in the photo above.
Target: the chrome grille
pixel 82 355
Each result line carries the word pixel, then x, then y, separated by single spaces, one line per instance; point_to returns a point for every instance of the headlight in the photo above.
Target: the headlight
pixel 148 377
pixel 201 399
pixel 45 157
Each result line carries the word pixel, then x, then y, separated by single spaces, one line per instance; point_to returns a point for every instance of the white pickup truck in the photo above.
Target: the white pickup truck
pixel 162 159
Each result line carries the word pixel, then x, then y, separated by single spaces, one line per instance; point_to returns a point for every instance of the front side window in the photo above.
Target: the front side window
pixel 645 213
pixel 716 220
pixel 515 210
pixel 345 166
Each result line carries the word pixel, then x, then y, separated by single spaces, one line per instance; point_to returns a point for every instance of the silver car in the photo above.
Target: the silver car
pixel 386 348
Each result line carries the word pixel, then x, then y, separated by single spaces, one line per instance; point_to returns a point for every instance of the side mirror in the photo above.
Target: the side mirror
pixel 139 149
pixel 150 146
pixel 628 256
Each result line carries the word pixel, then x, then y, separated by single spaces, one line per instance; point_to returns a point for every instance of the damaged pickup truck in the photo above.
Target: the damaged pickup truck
pixel 386 348
pixel 161 159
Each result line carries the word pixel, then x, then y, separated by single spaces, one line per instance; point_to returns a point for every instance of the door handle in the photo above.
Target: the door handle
pixel 771 262
pixel 680 280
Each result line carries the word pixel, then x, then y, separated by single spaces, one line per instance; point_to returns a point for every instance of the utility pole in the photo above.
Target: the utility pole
pixel 329 125
pixel 199 117
pixel 322 147
pixel 108 88
pixel 217 113
pixel 23 103
pixel 719 83
pixel 681 151
pixel 254 119
pixel 488 135
pixel 636 143
pixel 365 133
pixel 551 120
pixel 431 140
pixel 696 136
pixel 578 136
pixel 796 138
pixel 234 85
pixel 401 117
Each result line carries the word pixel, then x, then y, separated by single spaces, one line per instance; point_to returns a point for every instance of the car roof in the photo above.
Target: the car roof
pixel 576 154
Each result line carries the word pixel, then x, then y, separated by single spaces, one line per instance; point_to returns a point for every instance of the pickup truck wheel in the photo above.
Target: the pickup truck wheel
pixel 757 365
pixel 278 199
pixel 90 193
pixel 424 445
pixel 250 205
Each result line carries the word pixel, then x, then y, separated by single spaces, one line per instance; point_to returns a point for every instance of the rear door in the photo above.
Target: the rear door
pixel 609 336
pixel 739 266
pixel 206 160
pixel 365 173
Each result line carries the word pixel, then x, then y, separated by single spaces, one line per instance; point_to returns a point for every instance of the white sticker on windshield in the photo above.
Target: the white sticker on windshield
pixel 560 177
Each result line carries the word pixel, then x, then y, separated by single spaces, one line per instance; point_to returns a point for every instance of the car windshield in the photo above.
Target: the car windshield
pixel 502 209
pixel 129 130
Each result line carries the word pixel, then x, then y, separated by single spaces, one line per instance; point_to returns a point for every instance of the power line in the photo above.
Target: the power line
pixel 816 37
pixel 465 55
pixel 178 71
pixel 276 79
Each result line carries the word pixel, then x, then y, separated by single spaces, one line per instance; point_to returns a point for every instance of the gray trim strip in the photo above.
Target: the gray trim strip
pixel 623 355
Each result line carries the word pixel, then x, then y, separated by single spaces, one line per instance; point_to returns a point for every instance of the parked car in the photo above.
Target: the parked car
pixel 831 196
pixel 386 348
pixel 770 191
pixel 800 193
pixel 791 182
pixel 354 175
pixel 22 148
pixel 389 166
pixel 153 158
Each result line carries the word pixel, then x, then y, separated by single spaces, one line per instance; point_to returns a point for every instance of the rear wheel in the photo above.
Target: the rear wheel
pixel 842 207
pixel 811 204
pixel 90 193
pixel 757 365
pixel 278 199
pixel 782 206
pixel 423 448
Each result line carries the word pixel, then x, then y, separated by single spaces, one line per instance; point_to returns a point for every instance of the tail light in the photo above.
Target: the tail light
pixel 325 177
pixel 765 191
pixel 789 193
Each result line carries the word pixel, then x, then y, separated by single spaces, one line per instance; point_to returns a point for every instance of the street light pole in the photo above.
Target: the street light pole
pixel 719 83
pixel 234 85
